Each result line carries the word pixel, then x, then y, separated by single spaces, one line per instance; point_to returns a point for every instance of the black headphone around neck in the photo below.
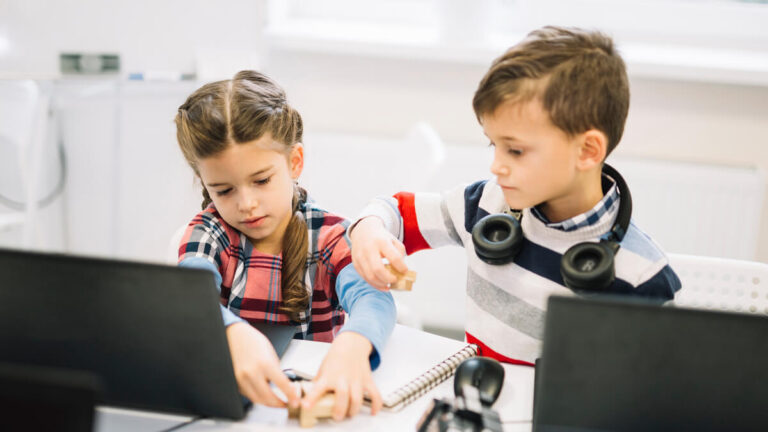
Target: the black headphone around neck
pixel 498 239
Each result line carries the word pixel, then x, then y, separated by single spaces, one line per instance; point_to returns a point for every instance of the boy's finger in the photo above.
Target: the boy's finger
pixel 363 267
pixel 396 256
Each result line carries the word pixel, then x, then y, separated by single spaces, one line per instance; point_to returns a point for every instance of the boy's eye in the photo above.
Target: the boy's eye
pixel 516 152
pixel 223 192
pixel 263 181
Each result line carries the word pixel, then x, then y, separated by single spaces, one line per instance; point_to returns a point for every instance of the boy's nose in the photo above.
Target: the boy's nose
pixel 498 169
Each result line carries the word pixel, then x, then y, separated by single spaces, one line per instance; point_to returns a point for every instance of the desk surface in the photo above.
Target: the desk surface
pixel 514 406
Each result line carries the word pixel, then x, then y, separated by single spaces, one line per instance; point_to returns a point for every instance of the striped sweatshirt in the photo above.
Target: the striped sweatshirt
pixel 506 303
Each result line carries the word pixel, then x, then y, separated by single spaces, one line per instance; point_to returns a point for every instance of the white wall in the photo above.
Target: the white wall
pixel 149 35
pixel 698 122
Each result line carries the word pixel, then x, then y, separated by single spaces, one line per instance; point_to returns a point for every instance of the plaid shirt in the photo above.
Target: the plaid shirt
pixel 603 207
pixel 251 279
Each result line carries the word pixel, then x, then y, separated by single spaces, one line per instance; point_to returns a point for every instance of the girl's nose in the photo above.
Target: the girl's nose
pixel 247 202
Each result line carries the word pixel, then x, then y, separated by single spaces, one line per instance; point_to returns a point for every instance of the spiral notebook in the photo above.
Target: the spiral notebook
pixel 413 362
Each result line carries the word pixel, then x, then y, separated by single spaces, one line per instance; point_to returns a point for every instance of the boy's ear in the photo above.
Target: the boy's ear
pixel 592 150
pixel 296 160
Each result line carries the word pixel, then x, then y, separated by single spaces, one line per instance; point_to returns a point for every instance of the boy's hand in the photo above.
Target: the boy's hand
pixel 256 365
pixel 346 371
pixel 370 243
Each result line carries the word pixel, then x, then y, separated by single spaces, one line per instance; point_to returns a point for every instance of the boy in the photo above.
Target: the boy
pixel 553 107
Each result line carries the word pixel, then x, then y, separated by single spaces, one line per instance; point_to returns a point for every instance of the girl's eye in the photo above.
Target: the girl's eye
pixel 223 192
pixel 516 152
pixel 263 181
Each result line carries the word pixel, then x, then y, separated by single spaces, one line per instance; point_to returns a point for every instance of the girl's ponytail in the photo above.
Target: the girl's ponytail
pixel 295 245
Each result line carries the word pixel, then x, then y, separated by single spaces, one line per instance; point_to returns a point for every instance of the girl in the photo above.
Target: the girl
pixel 276 256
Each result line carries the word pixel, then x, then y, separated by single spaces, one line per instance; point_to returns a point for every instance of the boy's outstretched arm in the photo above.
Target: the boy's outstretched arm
pixel 370 243
pixel 391 227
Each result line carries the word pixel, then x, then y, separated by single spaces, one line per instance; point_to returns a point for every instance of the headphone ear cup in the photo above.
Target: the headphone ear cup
pixel 497 238
pixel 588 266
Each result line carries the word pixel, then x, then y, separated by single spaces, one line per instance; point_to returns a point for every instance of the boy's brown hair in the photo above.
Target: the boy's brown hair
pixel 578 75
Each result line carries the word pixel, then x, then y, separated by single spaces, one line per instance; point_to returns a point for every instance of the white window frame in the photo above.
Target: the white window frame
pixel 723 41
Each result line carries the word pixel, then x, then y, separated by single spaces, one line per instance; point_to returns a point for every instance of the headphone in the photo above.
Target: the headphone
pixel 498 239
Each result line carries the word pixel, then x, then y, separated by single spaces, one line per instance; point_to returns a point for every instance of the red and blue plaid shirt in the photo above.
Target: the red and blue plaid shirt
pixel 250 284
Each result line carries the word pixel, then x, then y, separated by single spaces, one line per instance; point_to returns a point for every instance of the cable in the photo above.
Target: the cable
pixel 184 424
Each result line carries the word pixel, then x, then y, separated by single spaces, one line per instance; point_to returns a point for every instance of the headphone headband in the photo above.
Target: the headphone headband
pixel 620 227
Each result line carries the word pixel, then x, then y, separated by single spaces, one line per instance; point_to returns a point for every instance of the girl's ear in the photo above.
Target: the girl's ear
pixel 592 149
pixel 296 160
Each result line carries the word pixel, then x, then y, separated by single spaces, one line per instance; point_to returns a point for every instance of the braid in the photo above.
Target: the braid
pixel 295 244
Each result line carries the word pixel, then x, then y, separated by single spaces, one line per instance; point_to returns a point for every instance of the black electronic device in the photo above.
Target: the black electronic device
pixel 152 334
pixel 483 373
pixel 498 238
pixel 477 384
pixel 36 398
pixel 622 364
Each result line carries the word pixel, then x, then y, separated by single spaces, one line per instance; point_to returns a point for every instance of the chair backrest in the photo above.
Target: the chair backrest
pixel 721 284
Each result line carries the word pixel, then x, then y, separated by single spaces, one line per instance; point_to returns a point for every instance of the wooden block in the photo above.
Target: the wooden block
pixel 323 407
pixel 404 280
pixel 294 412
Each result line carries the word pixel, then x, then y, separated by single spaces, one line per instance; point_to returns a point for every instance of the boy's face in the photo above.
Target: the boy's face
pixel 533 160
pixel 251 186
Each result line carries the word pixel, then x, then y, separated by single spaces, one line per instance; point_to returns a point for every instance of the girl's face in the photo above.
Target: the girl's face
pixel 251 186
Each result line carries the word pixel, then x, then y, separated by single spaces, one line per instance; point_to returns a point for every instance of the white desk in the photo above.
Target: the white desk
pixel 514 406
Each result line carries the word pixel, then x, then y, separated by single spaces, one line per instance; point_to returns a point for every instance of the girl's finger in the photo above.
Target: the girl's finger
pixel 355 399
pixel 342 401
pixel 373 393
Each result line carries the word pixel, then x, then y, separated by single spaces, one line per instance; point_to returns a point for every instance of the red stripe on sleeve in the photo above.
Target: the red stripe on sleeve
pixel 412 238
pixel 487 352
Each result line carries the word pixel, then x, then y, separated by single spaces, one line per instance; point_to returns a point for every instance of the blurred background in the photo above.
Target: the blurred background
pixel 89 88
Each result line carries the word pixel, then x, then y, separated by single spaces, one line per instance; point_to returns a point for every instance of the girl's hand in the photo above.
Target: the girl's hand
pixel 256 365
pixel 370 243
pixel 346 371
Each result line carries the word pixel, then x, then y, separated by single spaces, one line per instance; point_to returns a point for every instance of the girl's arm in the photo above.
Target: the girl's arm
pixel 355 352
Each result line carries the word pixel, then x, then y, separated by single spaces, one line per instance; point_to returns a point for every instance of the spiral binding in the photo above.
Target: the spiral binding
pixel 429 379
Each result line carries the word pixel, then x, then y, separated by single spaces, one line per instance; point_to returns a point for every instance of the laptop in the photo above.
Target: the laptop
pixel 152 334
pixel 35 398
pixel 621 365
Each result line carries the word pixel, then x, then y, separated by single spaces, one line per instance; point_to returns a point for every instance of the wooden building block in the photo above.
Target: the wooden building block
pixel 404 280
pixel 323 407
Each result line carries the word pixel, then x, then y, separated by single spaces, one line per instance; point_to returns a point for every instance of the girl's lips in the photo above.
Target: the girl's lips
pixel 254 222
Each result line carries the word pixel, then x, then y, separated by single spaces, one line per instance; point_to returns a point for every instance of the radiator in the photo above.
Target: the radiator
pixel 694 208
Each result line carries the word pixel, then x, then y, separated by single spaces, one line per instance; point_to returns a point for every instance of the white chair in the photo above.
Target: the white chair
pixel 23 121
pixel 721 284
